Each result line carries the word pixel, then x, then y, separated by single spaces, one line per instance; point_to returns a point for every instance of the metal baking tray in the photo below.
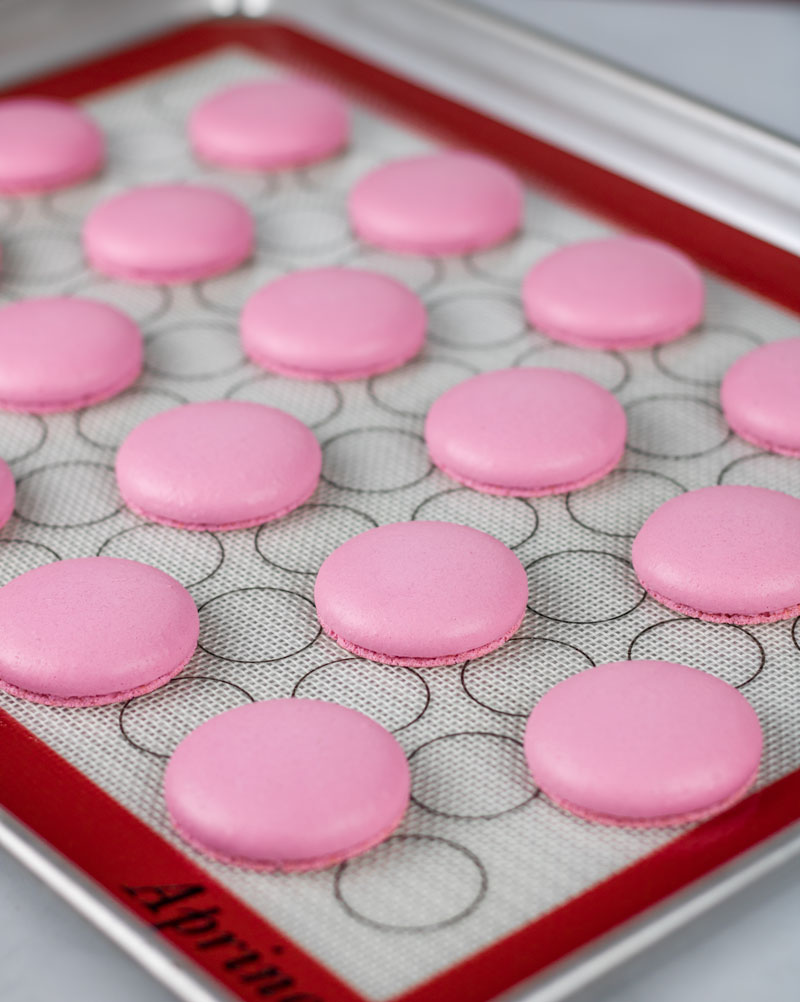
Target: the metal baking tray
pixel 600 148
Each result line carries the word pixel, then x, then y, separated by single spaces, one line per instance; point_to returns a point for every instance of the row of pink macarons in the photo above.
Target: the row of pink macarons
pixel 336 323
pixel 443 203
pixel 230 465
pixel 439 204
pixel 519 432
pixel 296 784
pixel 299 784
pixel 223 465
pixel 264 124
pixel 617 293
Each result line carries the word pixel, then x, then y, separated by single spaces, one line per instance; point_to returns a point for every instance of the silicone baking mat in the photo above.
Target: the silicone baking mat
pixel 480 855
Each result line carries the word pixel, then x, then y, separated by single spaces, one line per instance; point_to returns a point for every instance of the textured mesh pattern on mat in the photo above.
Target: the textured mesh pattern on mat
pixel 480 853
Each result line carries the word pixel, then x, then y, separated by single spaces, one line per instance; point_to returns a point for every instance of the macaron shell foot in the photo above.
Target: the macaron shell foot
pixel 163 276
pixel 344 376
pixel 293 866
pixel 778 449
pixel 440 662
pixel 74 404
pixel 249 523
pixel 738 619
pixel 617 343
pixel 671 821
pixel 49 182
pixel 521 492
pixel 101 700
pixel 8 493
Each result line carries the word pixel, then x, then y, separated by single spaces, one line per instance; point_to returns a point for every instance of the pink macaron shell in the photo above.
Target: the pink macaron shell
pixel 168 233
pixel 333 323
pixel 760 397
pixel 62 353
pixel 225 464
pixel 421 594
pixel 451 202
pixel 727 554
pixel 643 744
pixel 270 124
pixel 526 432
pixel 7 493
pixel 620 292
pixel 46 144
pixel 287 784
pixel 93 630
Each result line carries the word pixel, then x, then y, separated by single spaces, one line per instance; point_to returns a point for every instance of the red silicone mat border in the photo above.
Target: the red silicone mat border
pixel 158 883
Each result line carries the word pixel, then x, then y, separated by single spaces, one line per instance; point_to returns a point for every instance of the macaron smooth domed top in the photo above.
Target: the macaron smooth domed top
pixel 450 202
pixel 46 144
pixel 421 593
pixel 760 396
pixel 269 124
pixel 61 353
pixel 287 784
pixel 333 323
pixel 168 233
pixel 526 432
pixel 619 292
pixel 643 744
pixel 7 493
pixel 224 464
pixel 728 554
pixel 93 630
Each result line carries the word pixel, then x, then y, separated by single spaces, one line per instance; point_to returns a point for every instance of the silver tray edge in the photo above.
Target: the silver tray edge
pixel 92 902
pixel 695 154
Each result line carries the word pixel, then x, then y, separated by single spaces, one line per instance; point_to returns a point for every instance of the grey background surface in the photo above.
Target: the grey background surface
pixel 744 57
pixel 749 951
pixel 741 57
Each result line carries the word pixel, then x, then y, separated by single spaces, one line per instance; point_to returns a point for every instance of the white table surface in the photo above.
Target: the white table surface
pixel 743 56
